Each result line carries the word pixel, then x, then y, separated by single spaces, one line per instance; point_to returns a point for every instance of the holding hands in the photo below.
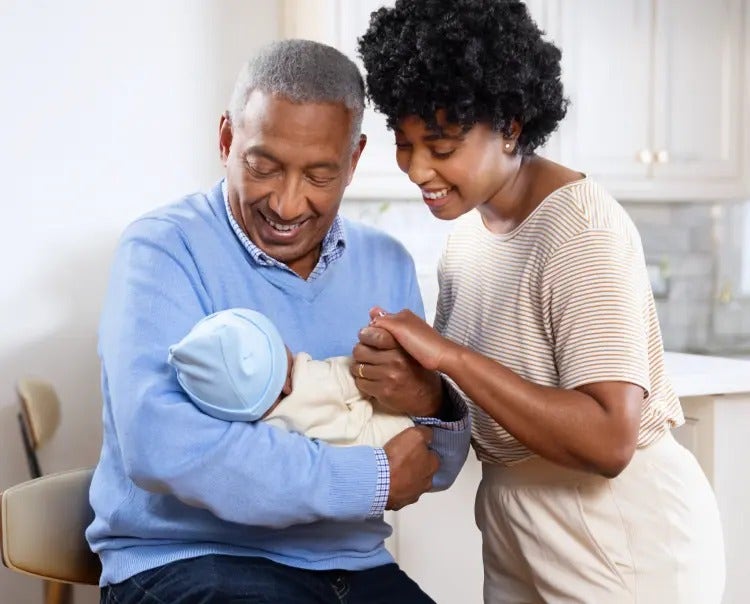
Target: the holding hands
pixel 395 363
pixel 385 369
pixel 415 336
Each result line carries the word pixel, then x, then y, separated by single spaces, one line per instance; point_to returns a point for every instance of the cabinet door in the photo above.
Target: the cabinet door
pixel 546 14
pixel 378 175
pixel 607 72
pixel 697 93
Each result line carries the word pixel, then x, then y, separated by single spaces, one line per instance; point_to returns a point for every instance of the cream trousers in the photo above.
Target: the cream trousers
pixel 651 535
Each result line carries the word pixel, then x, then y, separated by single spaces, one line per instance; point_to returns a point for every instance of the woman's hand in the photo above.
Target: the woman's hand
pixel 385 371
pixel 422 342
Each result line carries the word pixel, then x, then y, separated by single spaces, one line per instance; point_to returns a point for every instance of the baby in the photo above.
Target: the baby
pixel 234 366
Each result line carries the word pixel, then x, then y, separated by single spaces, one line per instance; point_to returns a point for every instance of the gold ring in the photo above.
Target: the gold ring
pixel 359 370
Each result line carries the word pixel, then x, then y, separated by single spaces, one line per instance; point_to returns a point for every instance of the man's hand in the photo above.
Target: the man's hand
pixel 412 466
pixel 383 370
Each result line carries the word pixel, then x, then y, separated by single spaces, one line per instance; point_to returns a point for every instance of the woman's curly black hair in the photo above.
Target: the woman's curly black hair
pixel 478 60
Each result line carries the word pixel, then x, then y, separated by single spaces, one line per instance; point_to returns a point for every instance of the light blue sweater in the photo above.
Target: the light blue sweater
pixel 174 483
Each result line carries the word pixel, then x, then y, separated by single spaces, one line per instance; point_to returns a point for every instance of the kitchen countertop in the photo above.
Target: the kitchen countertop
pixel 698 375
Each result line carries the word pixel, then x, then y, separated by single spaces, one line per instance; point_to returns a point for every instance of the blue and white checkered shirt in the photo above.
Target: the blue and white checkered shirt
pixel 331 249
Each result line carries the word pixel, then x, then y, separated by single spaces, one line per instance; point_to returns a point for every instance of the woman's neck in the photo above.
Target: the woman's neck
pixel 511 204
pixel 534 180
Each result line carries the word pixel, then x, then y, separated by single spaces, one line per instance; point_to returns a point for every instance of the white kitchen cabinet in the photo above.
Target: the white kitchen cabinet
pixel 657 96
pixel 717 433
pixel 698 95
pixel 606 73
pixel 437 543
pixel 658 87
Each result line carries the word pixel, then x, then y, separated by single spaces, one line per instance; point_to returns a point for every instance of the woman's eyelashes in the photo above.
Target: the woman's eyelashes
pixel 440 154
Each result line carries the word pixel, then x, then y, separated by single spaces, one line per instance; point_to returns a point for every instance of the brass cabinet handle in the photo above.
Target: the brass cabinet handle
pixel 646 156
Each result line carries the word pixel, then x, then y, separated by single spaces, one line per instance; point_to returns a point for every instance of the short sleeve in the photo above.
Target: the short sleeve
pixel 593 298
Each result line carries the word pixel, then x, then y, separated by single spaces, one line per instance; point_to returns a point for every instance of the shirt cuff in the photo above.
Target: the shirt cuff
pixel 383 486
pixel 455 413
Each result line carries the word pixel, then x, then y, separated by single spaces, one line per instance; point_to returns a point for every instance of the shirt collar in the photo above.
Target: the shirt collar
pixel 332 247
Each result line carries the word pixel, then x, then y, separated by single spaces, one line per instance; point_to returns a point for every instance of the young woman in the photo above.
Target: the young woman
pixel 545 321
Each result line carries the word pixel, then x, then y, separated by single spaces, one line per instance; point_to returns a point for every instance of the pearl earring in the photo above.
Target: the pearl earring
pixel 507 146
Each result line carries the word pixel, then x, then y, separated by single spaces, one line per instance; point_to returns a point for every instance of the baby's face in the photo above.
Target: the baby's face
pixel 287 389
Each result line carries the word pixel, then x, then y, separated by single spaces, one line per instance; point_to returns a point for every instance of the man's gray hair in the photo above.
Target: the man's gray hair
pixel 302 71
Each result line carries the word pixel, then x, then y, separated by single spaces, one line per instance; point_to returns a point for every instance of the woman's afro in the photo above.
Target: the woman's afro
pixel 478 60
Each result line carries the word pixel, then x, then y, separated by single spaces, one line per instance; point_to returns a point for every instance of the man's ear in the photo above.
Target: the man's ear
pixel 356 154
pixel 225 137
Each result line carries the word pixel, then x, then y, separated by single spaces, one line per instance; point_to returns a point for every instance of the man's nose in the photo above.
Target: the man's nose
pixel 288 202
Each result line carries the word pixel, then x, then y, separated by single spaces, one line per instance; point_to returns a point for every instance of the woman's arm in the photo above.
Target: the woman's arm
pixel 592 428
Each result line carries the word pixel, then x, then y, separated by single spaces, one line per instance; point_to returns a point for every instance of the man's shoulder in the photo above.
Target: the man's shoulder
pixel 187 216
pixel 365 239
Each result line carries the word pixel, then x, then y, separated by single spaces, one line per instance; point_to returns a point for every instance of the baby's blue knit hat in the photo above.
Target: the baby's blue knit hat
pixel 232 364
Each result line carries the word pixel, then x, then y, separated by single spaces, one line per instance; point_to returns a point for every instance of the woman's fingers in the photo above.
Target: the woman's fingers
pixel 377 311
pixel 377 338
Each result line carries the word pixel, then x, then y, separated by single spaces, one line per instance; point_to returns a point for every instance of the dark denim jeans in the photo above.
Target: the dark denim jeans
pixel 232 579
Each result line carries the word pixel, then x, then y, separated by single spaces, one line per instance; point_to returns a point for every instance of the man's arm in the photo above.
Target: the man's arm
pixel 246 473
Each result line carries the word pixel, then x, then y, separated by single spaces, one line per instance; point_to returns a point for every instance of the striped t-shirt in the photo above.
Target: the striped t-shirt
pixel 562 300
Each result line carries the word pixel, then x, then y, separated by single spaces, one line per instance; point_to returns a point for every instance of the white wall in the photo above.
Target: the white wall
pixel 107 110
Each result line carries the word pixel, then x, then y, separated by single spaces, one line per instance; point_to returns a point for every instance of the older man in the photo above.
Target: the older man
pixel 193 509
